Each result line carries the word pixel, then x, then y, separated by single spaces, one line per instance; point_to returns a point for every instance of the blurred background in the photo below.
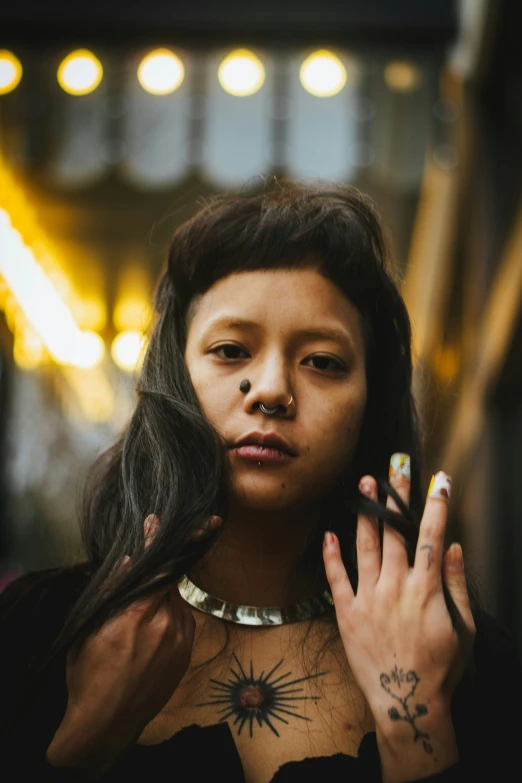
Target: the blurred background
pixel 116 123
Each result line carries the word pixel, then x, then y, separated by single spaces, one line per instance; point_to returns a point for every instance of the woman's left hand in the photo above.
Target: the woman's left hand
pixel 397 633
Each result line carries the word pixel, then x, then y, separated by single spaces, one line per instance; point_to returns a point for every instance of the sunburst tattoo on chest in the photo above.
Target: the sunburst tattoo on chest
pixel 258 699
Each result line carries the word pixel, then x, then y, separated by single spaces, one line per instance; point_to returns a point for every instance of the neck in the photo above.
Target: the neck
pixel 253 562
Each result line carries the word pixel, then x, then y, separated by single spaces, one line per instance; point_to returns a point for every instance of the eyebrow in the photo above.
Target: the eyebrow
pixel 320 332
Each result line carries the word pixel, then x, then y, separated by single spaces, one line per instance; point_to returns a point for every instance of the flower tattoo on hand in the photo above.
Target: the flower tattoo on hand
pixel 392 684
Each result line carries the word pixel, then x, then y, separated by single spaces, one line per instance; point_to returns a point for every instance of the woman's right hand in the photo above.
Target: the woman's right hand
pixel 123 675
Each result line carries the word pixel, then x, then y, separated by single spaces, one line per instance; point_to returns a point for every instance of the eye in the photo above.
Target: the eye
pixel 227 347
pixel 337 366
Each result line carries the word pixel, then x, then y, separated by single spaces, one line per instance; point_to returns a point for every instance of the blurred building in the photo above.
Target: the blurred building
pixel 114 125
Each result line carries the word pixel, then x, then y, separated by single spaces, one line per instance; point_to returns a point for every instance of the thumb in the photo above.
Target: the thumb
pixel 455 580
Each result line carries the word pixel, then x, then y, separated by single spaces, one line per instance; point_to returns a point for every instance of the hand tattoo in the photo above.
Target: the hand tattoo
pixel 430 550
pixel 392 684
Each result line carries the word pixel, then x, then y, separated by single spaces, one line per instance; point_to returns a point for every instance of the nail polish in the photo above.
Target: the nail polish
pixel 400 466
pixel 440 486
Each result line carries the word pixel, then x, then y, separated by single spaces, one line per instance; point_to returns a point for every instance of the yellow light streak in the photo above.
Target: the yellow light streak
pixel 28 348
pixel 41 304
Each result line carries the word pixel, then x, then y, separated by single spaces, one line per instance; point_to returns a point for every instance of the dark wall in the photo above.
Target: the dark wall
pixel 427 23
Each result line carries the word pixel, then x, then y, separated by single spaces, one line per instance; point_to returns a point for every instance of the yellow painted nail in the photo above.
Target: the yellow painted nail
pixel 440 486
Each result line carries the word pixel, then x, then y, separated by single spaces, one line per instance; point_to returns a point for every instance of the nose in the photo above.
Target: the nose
pixel 273 401
pixel 270 386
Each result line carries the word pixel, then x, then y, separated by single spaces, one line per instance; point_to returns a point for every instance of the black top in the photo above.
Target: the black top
pixel 486 708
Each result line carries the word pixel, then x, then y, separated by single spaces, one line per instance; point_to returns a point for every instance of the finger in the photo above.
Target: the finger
pixel 394 555
pixel 209 527
pixel 430 545
pixel 159 602
pixel 367 542
pixel 150 529
pixel 455 580
pixel 340 586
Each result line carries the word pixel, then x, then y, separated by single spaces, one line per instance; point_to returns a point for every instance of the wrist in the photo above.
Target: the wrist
pixel 85 746
pixel 417 746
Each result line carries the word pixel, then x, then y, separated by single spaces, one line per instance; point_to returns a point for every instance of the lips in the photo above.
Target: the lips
pixel 262 454
pixel 266 440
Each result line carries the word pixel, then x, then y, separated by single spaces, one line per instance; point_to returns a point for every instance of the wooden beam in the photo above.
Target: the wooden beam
pixel 496 331
pixel 428 275
pixel 430 263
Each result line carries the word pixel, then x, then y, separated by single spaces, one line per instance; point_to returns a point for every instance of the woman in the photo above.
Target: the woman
pixel 268 595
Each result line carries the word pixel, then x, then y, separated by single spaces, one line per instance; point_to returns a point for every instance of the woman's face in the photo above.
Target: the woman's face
pixel 324 374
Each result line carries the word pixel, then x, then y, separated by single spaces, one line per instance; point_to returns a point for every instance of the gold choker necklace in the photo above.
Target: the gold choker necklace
pixel 253 615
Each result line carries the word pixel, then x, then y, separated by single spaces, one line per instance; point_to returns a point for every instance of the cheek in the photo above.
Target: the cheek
pixel 211 403
pixel 354 421
pixel 216 407
pixel 208 395
pixel 343 427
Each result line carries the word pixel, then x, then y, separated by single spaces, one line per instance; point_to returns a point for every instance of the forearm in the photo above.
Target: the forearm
pixel 412 750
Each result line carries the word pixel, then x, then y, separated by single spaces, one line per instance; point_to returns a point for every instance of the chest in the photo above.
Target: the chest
pixel 282 701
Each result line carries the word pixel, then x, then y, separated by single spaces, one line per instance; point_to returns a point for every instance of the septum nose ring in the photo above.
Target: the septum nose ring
pixel 269 411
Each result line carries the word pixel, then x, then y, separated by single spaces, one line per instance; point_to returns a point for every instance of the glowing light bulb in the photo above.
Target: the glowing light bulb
pixel 161 72
pixel 241 73
pixel 80 72
pixel 10 71
pixel 90 349
pixel 323 74
pixel 126 349
pixel 402 76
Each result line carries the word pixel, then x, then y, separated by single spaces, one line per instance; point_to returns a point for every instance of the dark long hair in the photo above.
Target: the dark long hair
pixel 171 462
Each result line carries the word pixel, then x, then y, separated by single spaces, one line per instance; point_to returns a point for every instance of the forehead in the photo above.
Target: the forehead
pixel 280 296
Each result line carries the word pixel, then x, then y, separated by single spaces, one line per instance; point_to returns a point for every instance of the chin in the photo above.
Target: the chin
pixel 270 493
